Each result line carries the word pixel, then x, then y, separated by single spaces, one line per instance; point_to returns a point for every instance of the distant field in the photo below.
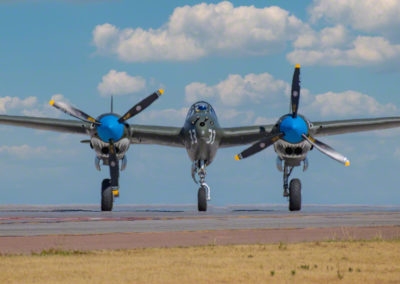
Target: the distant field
pixel 374 261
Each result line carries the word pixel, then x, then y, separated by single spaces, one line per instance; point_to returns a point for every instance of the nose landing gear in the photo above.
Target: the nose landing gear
pixel 204 192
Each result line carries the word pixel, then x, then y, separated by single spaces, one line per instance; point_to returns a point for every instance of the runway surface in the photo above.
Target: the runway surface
pixel 24 229
pixel 87 219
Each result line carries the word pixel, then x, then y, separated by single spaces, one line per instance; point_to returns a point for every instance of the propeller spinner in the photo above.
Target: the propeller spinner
pixel 293 128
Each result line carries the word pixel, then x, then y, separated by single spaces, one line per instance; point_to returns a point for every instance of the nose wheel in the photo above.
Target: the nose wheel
pixel 202 199
pixel 204 193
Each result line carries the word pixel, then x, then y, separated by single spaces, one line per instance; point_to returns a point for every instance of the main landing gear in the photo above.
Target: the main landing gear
pixel 292 190
pixel 108 193
pixel 107 196
pixel 204 193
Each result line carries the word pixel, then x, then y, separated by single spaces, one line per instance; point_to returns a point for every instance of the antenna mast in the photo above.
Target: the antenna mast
pixel 112 104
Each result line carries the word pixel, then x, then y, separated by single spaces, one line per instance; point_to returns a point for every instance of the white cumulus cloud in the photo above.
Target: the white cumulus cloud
pixel 343 45
pixel 236 89
pixel 364 51
pixel 104 37
pixel 349 103
pixel 363 15
pixel 251 90
pixel 11 103
pixel 120 83
pixel 23 151
pixel 169 116
pixel 231 116
pixel 45 109
pixel 196 31
pixel 326 38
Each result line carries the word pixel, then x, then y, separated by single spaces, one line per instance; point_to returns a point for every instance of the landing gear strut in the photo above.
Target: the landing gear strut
pixel 110 187
pixel 204 193
pixel 292 191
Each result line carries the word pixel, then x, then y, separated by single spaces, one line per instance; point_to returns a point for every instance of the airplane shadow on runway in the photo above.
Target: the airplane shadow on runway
pixel 253 210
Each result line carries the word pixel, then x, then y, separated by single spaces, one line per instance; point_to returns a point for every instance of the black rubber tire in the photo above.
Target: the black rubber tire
pixel 107 197
pixel 295 195
pixel 202 199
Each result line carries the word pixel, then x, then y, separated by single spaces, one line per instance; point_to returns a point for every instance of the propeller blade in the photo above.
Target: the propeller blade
pixel 327 150
pixel 113 165
pixel 260 145
pixel 295 95
pixel 68 109
pixel 141 106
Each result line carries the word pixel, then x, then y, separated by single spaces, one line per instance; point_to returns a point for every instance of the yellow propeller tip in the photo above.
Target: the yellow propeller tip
pixel 237 158
pixel 347 163
pixel 161 91
pixel 297 66
pixel 51 102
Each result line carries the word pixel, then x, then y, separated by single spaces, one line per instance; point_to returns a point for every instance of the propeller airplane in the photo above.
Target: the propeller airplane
pixel 292 136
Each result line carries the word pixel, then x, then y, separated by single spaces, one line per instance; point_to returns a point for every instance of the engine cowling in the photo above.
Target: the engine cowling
pixel 292 153
pixel 102 148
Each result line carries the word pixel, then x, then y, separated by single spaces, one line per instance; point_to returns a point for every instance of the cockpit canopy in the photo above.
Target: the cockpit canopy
pixel 201 107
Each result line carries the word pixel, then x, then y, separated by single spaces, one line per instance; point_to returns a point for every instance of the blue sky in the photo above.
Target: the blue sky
pixel 239 57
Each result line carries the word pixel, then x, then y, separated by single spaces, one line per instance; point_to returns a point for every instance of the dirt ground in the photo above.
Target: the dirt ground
pixel 364 261
pixel 30 244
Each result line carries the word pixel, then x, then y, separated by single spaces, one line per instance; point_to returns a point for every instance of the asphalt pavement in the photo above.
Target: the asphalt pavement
pixel 27 220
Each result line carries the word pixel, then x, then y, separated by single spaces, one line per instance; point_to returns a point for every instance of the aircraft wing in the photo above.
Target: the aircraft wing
pixel 172 136
pixel 141 134
pixel 335 127
pixel 53 124
pixel 236 136
pixel 159 135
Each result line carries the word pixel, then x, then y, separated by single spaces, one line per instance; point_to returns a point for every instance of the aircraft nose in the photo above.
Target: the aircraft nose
pixel 205 130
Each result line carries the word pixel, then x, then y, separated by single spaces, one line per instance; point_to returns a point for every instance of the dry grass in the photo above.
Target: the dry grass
pixel 319 262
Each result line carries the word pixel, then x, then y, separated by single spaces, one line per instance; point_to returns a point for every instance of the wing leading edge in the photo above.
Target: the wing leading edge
pixel 140 134
pixel 236 136
pixel 52 124
pixel 230 137
pixel 159 135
